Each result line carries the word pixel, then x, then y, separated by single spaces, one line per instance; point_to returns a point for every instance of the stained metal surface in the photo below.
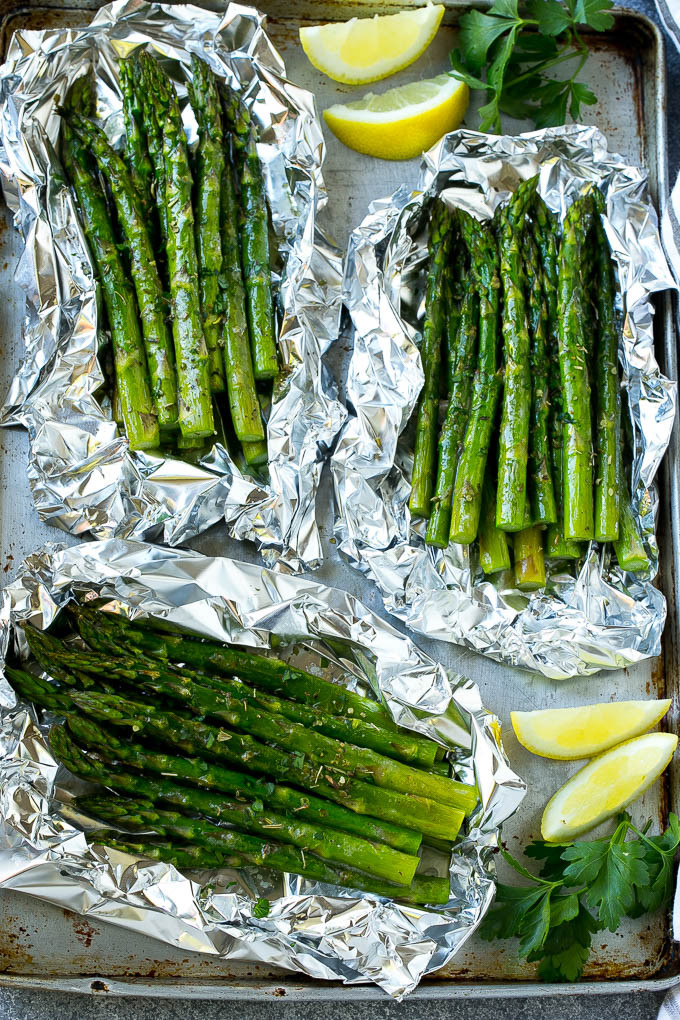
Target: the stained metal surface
pixel 41 945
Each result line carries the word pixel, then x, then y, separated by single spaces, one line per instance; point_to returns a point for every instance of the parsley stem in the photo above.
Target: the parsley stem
pixel 561 58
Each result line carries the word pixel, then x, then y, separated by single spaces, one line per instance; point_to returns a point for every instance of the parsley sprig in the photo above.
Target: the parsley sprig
pixel 583 887
pixel 517 48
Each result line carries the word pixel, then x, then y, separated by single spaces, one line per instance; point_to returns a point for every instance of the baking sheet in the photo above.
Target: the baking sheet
pixel 628 70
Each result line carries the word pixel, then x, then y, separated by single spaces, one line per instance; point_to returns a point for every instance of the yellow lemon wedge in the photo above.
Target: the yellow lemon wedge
pixel 367 49
pixel 402 122
pixel 606 785
pixel 587 730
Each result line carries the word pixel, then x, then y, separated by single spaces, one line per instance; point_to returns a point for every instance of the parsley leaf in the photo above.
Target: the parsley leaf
pixel 261 908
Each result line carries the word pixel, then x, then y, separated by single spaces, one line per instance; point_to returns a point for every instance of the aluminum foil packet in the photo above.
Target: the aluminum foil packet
pixel 82 474
pixel 602 618
pixel 322 931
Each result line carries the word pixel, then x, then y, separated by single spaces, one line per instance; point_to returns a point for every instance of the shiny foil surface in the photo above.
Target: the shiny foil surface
pixel 322 931
pixel 602 618
pixel 82 474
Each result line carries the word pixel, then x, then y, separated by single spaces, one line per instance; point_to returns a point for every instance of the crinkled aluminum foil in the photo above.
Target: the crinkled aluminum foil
pixel 82 474
pixel 322 931
pixel 603 618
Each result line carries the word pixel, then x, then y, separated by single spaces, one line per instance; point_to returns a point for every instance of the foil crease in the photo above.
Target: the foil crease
pixel 82 474
pixel 322 931
pixel 603 618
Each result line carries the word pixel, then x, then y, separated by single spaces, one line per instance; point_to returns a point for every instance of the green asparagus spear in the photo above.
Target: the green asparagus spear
pixel 540 483
pixel 462 362
pixel 134 668
pixel 238 361
pixel 214 777
pixel 608 402
pixel 197 738
pixel 138 159
pixel 425 453
pixel 528 558
pixel 231 707
pixel 141 422
pixel 454 287
pixel 254 230
pixel 144 270
pixel 191 354
pixel 33 688
pixel 494 552
pixel 629 546
pixel 268 672
pixel 148 79
pixel 576 425
pixel 251 816
pixel 423 889
pixel 256 455
pixel 205 101
pixel 467 491
pixel 513 446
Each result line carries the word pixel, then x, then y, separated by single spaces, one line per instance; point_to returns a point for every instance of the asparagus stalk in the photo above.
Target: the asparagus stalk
pixel 40 692
pixel 135 669
pixel 541 492
pixel 461 362
pixel 454 288
pixel 424 455
pixel 197 738
pixel 231 707
pixel 138 159
pixel 214 777
pixel 141 421
pixel 529 559
pixel 423 889
pixel 205 102
pixel 608 403
pixel 254 232
pixel 513 444
pixel 238 362
pixel 255 455
pixel 494 551
pixel 338 847
pixel 148 78
pixel 629 546
pixel 211 657
pixel 467 491
pixel 576 425
pixel 144 271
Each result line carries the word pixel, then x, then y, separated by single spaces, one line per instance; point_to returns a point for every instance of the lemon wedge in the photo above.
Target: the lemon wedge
pixel 606 785
pixel 367 49
pixel 402 122
pixel 587 730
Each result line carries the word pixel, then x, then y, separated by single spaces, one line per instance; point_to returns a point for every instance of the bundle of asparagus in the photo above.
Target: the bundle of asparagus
pixel 157 225
pixel 234 759
pixel 529 459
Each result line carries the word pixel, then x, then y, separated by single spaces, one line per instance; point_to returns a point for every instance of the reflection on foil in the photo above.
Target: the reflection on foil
pixel 82 474
pixel 604 618
pixel 322 931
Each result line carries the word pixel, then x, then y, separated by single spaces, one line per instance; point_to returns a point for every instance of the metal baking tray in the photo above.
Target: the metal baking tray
pixel 45 946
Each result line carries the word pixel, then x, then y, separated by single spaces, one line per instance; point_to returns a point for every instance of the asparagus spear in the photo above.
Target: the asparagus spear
pixel 197 738
pixel 148 78
pixel 205 102
pixel 214 777
pixel 529 559
pixel 423 889
pixel 254 231
pixel 144 270
pixel 139 161
pixel 137 669
pixel 467 490
pixel 38 691
pixel 513 444
pixel 238 362
pixel 494 552
pixel 211 657
pixel 338 847
pixel 461 362
pixel 141 422
pixel 424 455
pixel 454 289
pixel 629 546
pixel 576 426
pixel 231 707
pixel 540 483
pixel 608 403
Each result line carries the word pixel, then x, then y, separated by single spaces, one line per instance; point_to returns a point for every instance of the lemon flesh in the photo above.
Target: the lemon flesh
pixel 582 732
pixel 606 785
pixel 367 49
pixel 402 122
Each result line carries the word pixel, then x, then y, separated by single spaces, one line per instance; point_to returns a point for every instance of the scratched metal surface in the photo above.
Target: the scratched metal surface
pixel 41 945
